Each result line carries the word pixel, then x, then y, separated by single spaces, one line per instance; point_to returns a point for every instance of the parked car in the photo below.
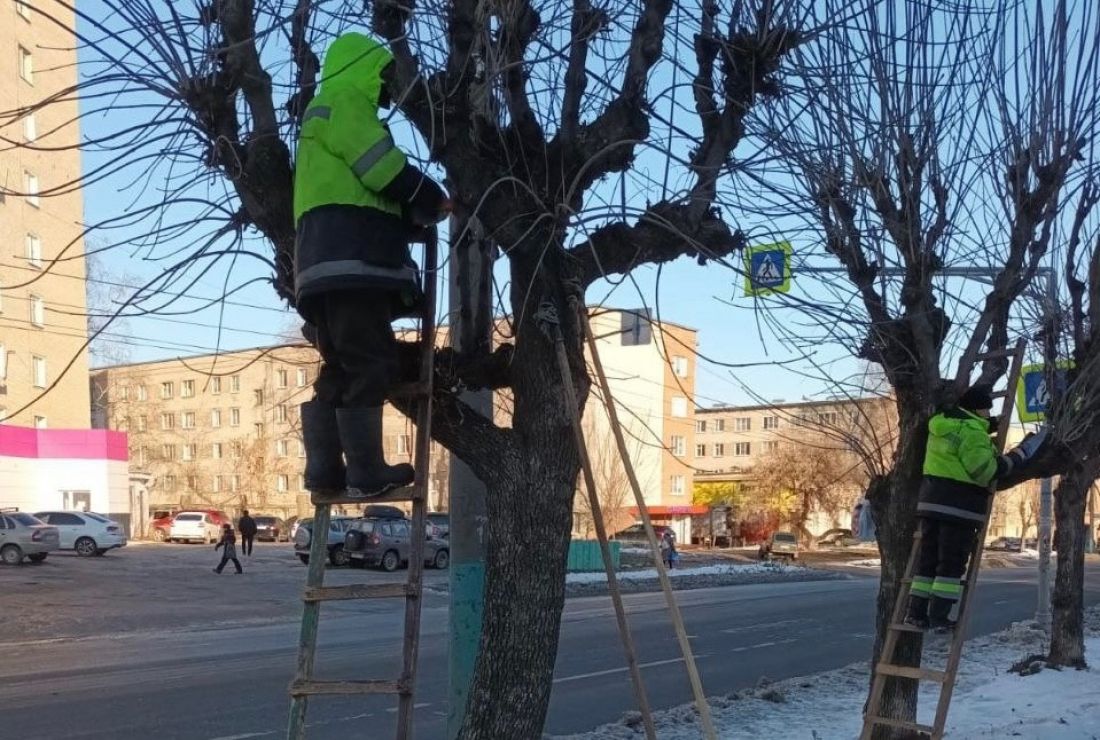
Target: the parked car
pixel 838 538
pixel 86 533
pixel 780 545
pixel 439 525
pixel 1005 544
pixel 384 539
pixel 161 525
pixel 203 525
pixel 271 529
pixel 635 534
pixel 337 528
pixel 24 536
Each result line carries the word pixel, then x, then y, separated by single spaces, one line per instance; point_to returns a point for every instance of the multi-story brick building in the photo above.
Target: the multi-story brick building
pixel 223 430
pixel 42 305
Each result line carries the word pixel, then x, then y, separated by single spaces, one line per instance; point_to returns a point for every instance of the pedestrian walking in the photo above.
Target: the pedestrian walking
pixel 246 525
pixel 228 545
pixel 668 549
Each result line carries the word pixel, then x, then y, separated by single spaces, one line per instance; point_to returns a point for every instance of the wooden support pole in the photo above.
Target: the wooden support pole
pixel 662 575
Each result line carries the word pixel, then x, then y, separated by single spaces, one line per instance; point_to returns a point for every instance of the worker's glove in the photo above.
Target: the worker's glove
pixel 1031 443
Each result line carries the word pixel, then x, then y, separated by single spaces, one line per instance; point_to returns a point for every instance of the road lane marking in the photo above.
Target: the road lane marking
pixel 610 671
pixel 770 643
pixel 245 736
pixel 762 626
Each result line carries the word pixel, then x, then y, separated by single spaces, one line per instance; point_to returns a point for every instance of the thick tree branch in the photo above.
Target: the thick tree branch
pixel 586 23
pixel 304 59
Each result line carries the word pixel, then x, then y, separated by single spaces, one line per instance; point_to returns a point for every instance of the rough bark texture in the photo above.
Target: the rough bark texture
pixel 1067 633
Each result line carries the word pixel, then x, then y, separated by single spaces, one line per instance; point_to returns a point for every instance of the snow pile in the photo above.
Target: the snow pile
pixel 989 702
pixel 868 563
pixel 722 569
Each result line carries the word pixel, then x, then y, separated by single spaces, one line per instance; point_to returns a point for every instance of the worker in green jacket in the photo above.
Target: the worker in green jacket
pixel 961 466
pixel 357 203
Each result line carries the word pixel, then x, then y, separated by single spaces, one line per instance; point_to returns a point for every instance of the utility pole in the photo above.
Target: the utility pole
pixel 470 292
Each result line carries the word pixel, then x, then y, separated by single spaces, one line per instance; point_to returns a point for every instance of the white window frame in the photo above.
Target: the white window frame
pixel 216 385
pixel 303 377
pixel 234 482
pixel 742 449
pixel 30 188
pixel 30 128
pixel 680 366
pixel 301 449
pixel 23 8
pixel 215 418
pixel 40 422
pixel 37 307
pixel 142 393
pixel 234 383
pixel 187 420
pixel 678 445
pixel 167 421
pixel 282 483
pixel 282 447
pixel 3 362
pixel 217 484
pixel 719 425
pixel 700 450
pixel 282 378
pixel 676 485
pixel 234 417
pixel 168 451
pixel 701 426
pixel 26 64
pixel 187 389
pixel 771 422
pixel 167 390
pixel 188 453
pixel 39 371
pixel 720 449
pixel 142 423
pixel 742 424
pixel 32 250
pixel 403 444
pixel 281 413
pixel 678 407
pixel 216 451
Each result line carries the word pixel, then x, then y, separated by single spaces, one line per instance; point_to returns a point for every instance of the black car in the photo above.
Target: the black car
pixel 271 529
pixel 635 534
pixel 1005 544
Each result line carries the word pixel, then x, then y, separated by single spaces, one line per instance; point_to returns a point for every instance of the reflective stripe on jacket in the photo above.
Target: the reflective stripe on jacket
pixel 960 463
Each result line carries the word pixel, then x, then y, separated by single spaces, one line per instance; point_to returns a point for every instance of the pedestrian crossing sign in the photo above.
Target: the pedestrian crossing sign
pixel 1033 396
pixel 768 269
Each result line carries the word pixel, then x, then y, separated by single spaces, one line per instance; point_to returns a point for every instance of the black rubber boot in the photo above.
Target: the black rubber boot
pixel 368 474
pixel 324 473
pixel 938 615
pixel 917 614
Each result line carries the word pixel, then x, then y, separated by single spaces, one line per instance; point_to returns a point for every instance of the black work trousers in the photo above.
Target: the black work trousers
pixel 246 543
pixel 945 547
pixel 357 345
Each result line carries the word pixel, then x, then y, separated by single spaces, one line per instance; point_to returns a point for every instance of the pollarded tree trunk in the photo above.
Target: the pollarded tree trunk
pixel 894 504
pixel 1067 635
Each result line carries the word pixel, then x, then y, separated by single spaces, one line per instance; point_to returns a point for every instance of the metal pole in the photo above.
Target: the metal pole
pixel 470 304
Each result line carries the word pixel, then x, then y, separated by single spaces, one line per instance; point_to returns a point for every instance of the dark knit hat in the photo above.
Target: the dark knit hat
pixel 977 398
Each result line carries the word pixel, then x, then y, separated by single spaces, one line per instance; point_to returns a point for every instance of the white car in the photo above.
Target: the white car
pixel 194 526
pixel 85 532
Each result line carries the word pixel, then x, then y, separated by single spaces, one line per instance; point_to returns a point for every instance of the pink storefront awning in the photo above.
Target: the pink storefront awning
pixel 63 444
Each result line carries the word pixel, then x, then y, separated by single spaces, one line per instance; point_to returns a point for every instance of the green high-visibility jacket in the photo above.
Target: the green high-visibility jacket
pixel 960 464
pixel 345 154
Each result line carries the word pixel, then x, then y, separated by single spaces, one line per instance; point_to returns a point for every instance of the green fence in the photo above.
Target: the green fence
pixel 584 555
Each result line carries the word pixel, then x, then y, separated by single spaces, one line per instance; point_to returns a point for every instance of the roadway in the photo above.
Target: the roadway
pixel 230 683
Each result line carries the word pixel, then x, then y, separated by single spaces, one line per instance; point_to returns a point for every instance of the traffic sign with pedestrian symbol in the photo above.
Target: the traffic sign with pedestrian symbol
pixel 768 269
pixel 1033 394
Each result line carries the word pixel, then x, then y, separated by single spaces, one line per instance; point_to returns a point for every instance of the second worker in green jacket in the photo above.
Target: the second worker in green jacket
pixel 357 203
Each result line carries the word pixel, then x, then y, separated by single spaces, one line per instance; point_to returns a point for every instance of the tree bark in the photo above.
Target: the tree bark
pixel 1067 632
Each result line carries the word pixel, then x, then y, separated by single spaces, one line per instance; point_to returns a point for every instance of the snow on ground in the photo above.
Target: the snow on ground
pixel 721 569
pixel 989 702
pixel 868 563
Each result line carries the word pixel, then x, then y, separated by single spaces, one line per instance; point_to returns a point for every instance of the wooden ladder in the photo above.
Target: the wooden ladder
pixel 886 667
pixel 304 685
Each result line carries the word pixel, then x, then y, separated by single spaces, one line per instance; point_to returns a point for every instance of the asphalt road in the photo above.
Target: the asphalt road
pixel 230 684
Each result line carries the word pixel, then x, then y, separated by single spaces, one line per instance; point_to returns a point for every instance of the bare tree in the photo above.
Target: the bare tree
pixel 613 489
pixel 927 135
pixel 529 107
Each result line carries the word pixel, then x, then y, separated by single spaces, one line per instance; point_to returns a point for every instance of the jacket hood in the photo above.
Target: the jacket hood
pixel 949 422
pixel 355 62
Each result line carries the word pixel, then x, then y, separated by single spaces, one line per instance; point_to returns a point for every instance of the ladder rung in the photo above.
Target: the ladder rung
pixel 357 591
pixel 999 394
pixel 902 627
pixel 902 724
pixel 408 493
pixel 904 671
pixel 346 688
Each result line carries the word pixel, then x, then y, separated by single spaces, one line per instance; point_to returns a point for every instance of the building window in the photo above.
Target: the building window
pixel 676 485
pixel 700 450
pixel 771 446
pixel 258 429
pixel 635 328
pixel 680 366
pixel 30 128
pixel 303 377
pixel 215 418
pixel 719 425
pixel 301 448
pixel 23 8
pixel 720 450
pixel 32 247
pixel 167 421
pixel 301 482
pixel 167 390
pixel 169 482
pixel 827 418
pixel 188 420
pixel 124 392
pixel 258 396
pixel 403 445
pixel 217 484
pixel 742 424
pixel 701 426
pixel 282 447
pixel 281 413
pixel 38 311
pixel 282 379
pixel 234 417
pixel 26 65
pixel 282 483
pixel 678 446
pixel 234 482
pixel 39 422
pixel 3 414
pixel 30 188
pixel 234 383
pixel 742 449
pixel 192 482
pixel 142 393
pixel 679 407
pixel 142 455
pixel 216 450
pixel 189 452
pixel 168 452
pixel 38 367
pixel 771 422
pixel 3 362
pixel 142 423
pixel 216 385
pixel 187 389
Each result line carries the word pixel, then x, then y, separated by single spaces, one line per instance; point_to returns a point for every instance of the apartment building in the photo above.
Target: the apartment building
pixel 224 430
pixel 42 305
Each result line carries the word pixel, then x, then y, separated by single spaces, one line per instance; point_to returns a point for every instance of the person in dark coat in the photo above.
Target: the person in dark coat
pixel 228 545
pixel 961 467
pixel 357 204
pixel 246 525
